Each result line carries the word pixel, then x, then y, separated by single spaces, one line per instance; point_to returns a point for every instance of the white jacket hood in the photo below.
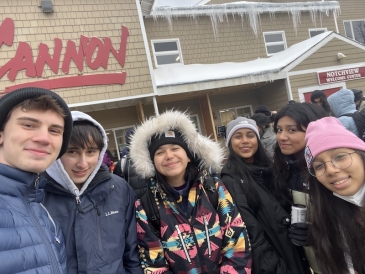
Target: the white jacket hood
pixel 208 153
pixel 57 172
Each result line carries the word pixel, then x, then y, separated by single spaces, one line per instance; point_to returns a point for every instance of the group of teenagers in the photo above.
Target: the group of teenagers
pixel 62 211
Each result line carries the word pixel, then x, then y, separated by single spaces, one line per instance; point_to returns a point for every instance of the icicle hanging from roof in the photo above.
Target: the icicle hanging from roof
pixel 248 9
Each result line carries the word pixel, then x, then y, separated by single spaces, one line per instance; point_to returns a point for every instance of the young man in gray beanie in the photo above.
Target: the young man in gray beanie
pixel 35 127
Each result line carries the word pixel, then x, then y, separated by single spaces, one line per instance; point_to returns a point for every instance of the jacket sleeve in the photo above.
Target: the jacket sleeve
pixel 118 169
pixel 131 261
pixel 264 257
pixel 150 247
pixel 236 249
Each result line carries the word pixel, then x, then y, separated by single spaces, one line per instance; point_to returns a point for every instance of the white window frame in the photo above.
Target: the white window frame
pixel 115 136
pixel 196 116
pixel 178 51
pixel 352 28
pixel 275 43
pixel 316 29
pixel 235 110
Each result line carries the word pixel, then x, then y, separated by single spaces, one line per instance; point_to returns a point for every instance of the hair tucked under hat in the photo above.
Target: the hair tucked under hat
pixel 238 123
pixel 151 134
pixel 328 133
pixel 14 98
pixel 168 137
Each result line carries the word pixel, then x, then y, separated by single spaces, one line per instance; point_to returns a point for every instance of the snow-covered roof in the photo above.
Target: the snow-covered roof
pixel 250 10
pixel 258 70
pixel 179 3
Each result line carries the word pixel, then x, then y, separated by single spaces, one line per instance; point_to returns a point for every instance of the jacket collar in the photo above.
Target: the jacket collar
pixel 55 187
pixel 16 182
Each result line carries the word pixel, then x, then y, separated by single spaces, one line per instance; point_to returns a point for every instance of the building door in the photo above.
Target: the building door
pixel 306 92
pixel 328 92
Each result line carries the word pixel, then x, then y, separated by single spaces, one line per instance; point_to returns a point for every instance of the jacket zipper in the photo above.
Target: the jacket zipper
pixel 199 258
pixel 99 230
pixel 54 225
pixel 42 233
pixel 183 244
pixel 207 236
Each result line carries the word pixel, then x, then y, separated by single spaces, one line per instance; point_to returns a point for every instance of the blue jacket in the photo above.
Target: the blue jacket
pixel 98 220
pixel 30 241
pixel 100 230
pixel 342 102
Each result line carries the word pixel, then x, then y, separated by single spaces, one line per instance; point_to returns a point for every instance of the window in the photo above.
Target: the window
pixel 230 114
pixel 274 42
pixel 167 52
pixel 116 140
pixel 314 32
pixel 355 30
pixel 195 119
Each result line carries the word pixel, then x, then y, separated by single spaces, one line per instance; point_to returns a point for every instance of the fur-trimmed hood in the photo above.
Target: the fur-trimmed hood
pixel 207 152
pixel 57 172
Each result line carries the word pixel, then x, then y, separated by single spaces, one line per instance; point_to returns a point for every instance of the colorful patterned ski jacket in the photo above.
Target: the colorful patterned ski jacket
pixel 204 240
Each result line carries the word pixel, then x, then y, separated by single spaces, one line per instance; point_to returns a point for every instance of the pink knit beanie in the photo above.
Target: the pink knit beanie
pixel 328 133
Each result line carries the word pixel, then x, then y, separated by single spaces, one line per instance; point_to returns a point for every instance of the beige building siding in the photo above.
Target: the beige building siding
pixel 300 81
pixel 350 10
pixel 236 41
pixel 273 95
pixel 358 84
pixel 327 56
pixel 311 80
pixel 117 117
pixel 69 21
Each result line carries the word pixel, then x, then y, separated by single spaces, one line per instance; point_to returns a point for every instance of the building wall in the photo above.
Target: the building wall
pixel 311 80
pixel 69 21
pixel 350 10
pixel 273 95
pixel 327 56
pixel 235 42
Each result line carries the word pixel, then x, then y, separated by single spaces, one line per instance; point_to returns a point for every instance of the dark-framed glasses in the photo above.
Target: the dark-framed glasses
pixel 341 160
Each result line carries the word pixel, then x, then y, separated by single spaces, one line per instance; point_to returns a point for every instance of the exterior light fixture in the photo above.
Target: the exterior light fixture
pixel 46 6
pixel 340 56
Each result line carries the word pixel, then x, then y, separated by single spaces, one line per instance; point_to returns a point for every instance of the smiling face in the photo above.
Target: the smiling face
pixel 171 161
pixel 345 182
pixel 80 163
pixel 289 138
pixel 245 143
pixel 31 140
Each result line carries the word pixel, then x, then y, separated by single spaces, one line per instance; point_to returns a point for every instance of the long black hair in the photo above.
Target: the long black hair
pixel 302 114
pixel 249 173
pixel 322 96
pixel 338 227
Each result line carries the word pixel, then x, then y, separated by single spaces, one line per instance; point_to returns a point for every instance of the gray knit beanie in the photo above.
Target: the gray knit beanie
pixel 238 123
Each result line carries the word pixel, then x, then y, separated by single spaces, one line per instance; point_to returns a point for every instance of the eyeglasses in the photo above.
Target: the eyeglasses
pixel 341 160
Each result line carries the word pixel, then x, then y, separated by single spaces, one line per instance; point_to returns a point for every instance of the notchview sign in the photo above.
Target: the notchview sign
pixel 341 75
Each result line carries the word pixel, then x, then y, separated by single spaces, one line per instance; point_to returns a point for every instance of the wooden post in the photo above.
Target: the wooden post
pixel 208 117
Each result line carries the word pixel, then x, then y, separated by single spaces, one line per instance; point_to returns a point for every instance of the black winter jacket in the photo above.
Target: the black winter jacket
pixel 100 231
pixel 272 250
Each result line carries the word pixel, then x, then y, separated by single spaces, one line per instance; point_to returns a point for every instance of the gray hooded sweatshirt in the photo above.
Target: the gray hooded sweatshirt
pixel 342 102
pixel 98 221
